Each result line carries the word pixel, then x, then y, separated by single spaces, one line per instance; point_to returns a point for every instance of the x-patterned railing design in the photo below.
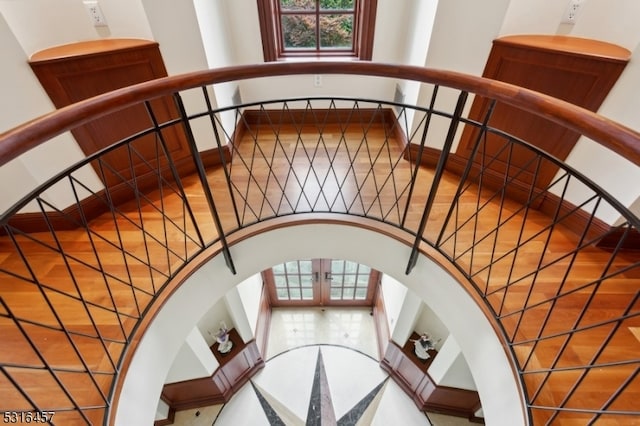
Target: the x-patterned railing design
pixel 83 261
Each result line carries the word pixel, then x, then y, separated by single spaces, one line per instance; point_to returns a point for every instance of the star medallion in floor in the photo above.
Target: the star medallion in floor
pixel 321 385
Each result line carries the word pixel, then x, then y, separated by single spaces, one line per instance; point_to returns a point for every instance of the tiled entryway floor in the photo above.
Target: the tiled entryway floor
pixel 321 363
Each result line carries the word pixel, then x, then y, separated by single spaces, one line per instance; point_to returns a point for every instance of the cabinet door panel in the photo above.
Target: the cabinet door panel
pixel 578 71
pixel 79 71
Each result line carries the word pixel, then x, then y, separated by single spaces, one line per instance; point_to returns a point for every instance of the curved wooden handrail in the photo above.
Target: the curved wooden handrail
pixel 612 135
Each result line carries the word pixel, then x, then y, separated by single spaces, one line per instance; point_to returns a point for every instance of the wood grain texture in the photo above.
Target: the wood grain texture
pixel 576 70
pixel 79 71
pixel 562 303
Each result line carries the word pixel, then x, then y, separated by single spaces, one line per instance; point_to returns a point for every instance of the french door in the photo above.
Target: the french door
pixel 321 282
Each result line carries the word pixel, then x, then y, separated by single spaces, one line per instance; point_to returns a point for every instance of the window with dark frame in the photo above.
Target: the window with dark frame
pixel 316 28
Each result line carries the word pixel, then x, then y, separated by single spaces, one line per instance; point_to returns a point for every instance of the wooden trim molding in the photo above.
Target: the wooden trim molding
pixel 367 30
pixel 267 29
pixel 380 322
pixel 236 368
pixel 411 374
pixel 384 116
pixel 263 323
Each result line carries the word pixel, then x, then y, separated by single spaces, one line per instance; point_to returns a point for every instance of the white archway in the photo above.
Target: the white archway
pixel 498 388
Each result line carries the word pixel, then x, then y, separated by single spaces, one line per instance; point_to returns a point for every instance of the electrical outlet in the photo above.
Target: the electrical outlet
pixel 95 13
pixel 571 12
pixel 317 80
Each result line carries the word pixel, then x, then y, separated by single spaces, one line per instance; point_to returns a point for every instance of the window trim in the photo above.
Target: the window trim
pixel 322 284
pixel 365 18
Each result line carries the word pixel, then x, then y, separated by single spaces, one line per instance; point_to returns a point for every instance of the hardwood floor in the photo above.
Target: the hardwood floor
pixel 77 294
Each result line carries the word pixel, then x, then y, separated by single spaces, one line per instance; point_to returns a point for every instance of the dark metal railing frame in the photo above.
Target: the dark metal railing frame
pixel 455 117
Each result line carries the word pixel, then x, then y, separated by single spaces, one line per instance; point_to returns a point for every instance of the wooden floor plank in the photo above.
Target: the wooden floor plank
pixel 343 180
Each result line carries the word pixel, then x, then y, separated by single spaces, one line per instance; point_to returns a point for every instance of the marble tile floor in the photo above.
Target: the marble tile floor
pixel 312 355
pixel 350 327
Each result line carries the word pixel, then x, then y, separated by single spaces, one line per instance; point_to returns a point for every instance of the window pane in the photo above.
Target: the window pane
pixel 336 4
pixel 299 31
pixel 294 293
pixel 305 266
pixel 278 269
pixel 348 293
pixel 361 293
pixel 294 281
pixel 351 267
pixel 337 266
pixel 281 280
pixel 336 280
pixel 283 294
pixel 292 267
pixel 349 280
pixel 364 269
pixel 363 280
pixel 307 293
pixel 336 293
pixel 306 281
pixel 336 31
pixel 297 4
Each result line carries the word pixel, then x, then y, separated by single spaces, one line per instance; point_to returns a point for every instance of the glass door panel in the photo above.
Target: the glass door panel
pixel 321 282
pixel 292 283
pixel 350 283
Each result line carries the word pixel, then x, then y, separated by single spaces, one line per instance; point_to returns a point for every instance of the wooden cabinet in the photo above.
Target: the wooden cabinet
pixel 236 367
pixel 576 70
pixel 75 72
pixel 411 374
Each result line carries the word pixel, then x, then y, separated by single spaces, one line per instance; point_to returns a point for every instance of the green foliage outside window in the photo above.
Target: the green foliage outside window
pixel 335 29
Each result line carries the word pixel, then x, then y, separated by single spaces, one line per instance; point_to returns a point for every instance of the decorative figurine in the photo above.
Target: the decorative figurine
pixel 222 337
pixel 422 346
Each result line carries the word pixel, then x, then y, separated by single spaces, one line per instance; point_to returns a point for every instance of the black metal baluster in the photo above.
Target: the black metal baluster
pixel 418 161
pixel 455 120
pixel 223 159
pixel 204 182
pixel 174 172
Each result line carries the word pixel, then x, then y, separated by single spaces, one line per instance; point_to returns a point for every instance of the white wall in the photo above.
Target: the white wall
pixel 485 355
pixel 459 43
pixel 162 411
pixel 235 307
pixel 183 49
pixel 393 294
pixel 419 17
pixel 25 28
pixel 23 99
pixel 194 359
pixel 250 291
pixel 38 24
pixel 429 322
pixel 209 323
pixel 450 368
